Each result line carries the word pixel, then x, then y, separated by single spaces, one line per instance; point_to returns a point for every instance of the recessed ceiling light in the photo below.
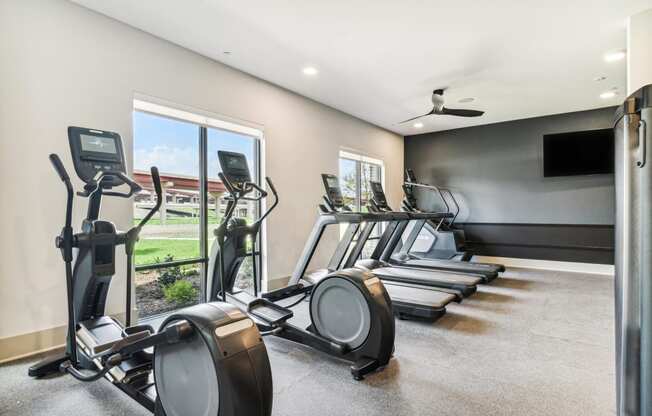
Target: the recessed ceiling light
pixel 614 56
pixel 466 100
pixel 417 125
pixel 310 70
pixel 598 79
pixel 608 94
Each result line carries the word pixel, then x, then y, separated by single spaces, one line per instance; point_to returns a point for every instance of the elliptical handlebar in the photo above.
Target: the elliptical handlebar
pixel 58 166
pixel 270 184
pixel 63 175
pixel 65 243
pixel 95 184
pixel 239 193
pixel 156 181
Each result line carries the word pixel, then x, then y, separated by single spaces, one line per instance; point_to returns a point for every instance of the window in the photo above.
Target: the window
pixel 173 249
pixel 356 172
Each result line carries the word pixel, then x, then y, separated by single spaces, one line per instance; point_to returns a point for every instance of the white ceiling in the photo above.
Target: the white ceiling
pixel 380 59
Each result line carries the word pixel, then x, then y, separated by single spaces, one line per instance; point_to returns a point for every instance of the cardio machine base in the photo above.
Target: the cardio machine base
pixel 47 366
pixel 272 319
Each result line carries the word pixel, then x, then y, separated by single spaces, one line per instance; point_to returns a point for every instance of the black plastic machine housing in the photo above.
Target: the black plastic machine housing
pixel 95 151
pixel 333 191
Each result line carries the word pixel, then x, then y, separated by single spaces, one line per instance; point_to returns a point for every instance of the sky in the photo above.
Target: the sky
pixel 173 146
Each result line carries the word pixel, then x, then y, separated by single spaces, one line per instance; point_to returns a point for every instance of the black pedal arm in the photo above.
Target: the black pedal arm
pixel 286 292
pixel 141 341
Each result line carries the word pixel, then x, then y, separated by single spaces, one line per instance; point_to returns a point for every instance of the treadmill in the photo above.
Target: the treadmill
pixel 409 301
pixel 404 257
pixel 449 243
pixel 349 254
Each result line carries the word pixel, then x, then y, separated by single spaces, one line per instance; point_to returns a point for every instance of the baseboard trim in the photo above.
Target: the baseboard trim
pixel 26 345
pixel 279 282
pixel 581 243
pixel 562 266
pixel 22 346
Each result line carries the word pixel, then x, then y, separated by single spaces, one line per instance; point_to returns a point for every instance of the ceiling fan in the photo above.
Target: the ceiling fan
pixel 438 108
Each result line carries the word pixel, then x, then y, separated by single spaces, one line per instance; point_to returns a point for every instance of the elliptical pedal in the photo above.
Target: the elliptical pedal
pixel 286 292
pixel 270 312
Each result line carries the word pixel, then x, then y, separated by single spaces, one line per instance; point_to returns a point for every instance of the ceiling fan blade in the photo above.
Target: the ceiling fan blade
pixel 422 115
pixel 461 113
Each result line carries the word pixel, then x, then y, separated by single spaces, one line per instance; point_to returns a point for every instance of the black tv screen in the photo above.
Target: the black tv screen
pixel 588 152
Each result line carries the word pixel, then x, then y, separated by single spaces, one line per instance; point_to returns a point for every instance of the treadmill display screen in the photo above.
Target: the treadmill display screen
pixel 376 188
pixel 97 144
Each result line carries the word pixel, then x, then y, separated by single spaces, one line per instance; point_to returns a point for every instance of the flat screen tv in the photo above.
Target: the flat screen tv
pixel 589 152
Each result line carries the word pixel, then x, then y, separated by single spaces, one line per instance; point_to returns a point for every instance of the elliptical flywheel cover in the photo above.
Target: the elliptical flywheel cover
pixel 186 379
pixel 340 311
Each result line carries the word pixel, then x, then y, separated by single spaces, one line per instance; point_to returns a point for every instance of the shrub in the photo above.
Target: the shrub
pixel 169 275
pixel 190 271
pixel 180 292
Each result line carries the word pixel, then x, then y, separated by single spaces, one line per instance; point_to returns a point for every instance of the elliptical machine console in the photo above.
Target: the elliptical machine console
pixel 350 311
pixel 207 359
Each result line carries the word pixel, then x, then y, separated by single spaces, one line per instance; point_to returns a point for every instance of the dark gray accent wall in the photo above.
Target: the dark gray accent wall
pixel 509 208
pixel 496 171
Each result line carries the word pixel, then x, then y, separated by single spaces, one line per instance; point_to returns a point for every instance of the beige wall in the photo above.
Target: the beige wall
pixel 63 65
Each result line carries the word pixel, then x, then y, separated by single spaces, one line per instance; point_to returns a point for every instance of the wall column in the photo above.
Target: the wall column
pixel 639 51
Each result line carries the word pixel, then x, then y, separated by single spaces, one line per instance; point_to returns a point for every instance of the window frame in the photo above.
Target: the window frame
pixel 203 121
pixel 359 159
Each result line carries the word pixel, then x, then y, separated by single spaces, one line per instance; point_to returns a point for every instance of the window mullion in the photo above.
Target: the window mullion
pixel 203 207
pixel 358 185
pixel 258 243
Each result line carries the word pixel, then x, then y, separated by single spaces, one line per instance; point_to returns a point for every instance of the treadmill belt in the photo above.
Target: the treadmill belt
pixel 425 276
pixel 418 296
pixel 488 270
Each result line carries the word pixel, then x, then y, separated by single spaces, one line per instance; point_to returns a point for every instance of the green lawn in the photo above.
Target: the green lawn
pixel 177 221
pixel 147 250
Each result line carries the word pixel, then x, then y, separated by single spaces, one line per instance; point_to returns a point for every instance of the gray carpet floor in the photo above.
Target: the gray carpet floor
pixel 531 343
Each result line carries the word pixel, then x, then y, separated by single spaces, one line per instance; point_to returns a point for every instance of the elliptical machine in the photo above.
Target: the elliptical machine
pixel 207 359
pixel 350 310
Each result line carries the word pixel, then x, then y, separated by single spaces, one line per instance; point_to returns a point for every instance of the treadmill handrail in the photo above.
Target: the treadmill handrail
pixel 457 206
pixel 432 188
pixel 337 217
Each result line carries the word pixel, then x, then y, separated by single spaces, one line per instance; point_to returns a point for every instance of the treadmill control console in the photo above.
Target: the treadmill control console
pixel 333 191
pixel 234 167
pixel 95 151
pixel 410 176
pixel 379 195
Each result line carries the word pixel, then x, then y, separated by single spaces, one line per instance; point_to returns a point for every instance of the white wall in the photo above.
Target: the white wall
pixel 63 65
